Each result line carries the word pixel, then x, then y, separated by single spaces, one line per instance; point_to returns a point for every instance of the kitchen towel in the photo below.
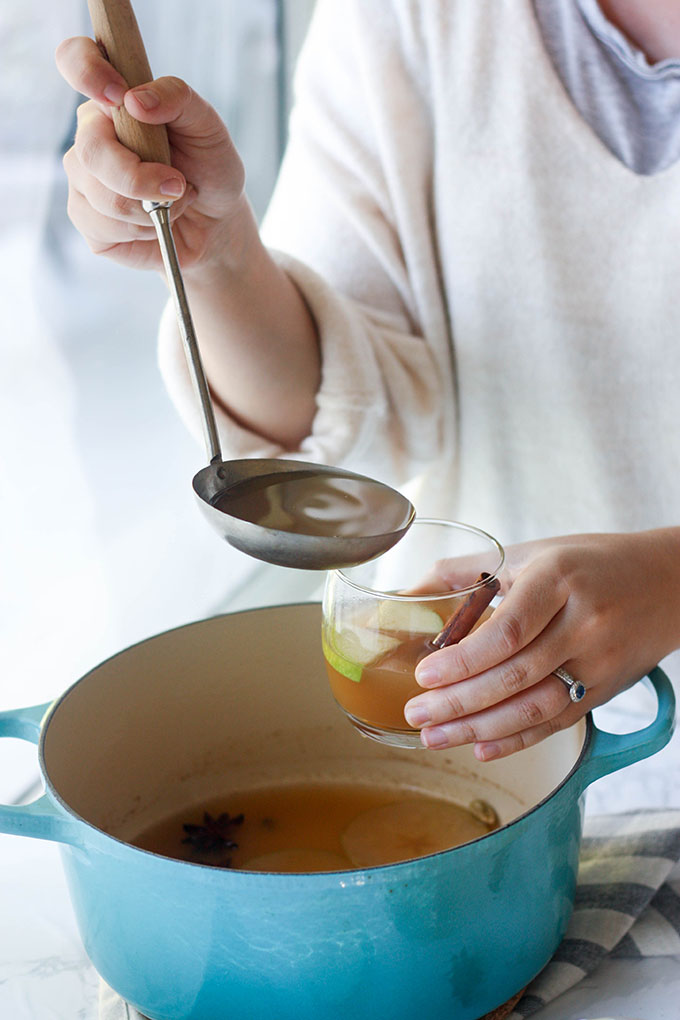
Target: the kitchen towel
pixel 627 901
pixel 627 904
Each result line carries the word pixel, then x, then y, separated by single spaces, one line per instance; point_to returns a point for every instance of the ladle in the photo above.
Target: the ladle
pixel 286 512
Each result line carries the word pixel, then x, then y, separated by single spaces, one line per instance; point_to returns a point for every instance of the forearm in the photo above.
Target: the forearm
pixel 257 338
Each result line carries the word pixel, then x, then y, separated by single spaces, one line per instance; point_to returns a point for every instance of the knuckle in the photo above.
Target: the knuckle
pixel 452 701
pixel 101 248
pixel 514 678
pixel 136 230
pixel 176 90
pixel 596 624
pixel 81 63
pixel 196 246
pixel 88 147
pixel 69 161
pixel 95 246
pixel 553 725
pixel 84 111
pixel 131 186
pixel 511 633
pixel 519 742
pixel 468 732
pixel 463 660
pixel 121 206
pixel 61 51
pixel 69 56
pixel 89 80
pixel 182 89
pixel 531 712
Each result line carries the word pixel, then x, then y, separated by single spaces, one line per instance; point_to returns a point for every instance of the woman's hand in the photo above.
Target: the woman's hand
pixel 605 607
pixel 107 182
pixel 259 343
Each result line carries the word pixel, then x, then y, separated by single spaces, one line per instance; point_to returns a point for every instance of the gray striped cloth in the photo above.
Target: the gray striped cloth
pixel 627 901
pixel 627 904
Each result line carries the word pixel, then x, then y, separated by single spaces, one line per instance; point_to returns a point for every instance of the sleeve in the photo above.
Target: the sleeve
pixel 351 223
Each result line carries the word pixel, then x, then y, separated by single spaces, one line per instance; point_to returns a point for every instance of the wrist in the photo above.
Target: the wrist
pixel 664 552
pixel 231 253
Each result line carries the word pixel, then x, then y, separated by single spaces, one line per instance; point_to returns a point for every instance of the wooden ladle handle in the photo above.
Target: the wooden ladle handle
pixel 117 34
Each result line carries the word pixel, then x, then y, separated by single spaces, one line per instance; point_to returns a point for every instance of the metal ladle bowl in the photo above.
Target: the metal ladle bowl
pixel 332 518
pixel 366 517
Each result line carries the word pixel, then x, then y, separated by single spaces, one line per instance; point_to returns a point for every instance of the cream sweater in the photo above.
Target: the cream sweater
pixel 496 295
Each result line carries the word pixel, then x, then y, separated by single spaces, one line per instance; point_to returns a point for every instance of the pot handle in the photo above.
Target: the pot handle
pixel 609 752
pixel 42 818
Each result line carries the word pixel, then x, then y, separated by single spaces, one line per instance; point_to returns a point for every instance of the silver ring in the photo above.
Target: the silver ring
pixel 577 690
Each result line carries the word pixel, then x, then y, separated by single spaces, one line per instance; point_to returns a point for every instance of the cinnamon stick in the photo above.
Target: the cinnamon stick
pixel 465 617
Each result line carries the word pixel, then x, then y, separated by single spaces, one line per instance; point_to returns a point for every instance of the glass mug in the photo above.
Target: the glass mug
pixel 381 618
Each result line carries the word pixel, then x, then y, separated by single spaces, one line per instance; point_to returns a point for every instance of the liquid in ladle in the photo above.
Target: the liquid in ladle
pixel 308 503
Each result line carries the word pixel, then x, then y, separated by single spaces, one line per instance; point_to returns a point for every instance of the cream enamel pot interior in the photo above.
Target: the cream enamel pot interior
pixel 243 700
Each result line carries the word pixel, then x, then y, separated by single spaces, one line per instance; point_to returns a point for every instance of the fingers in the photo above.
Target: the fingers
pixel 171 101
pixel 106 185
pixel 533 601
pixel 575 602
pixel 166 100
pixel 109 175
pixel 99 154
pixel 195 125
pixel 494 688
pixel 107 182
pixel 500 748
pixel 535 711
pixel 503 681
pixel 202 148
pixel 84 67
pixel 104 234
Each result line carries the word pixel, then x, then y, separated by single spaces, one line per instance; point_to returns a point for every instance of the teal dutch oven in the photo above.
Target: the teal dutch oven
pixel 239 701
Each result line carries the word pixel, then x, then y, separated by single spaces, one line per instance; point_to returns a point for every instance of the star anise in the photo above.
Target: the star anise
pixel 214 836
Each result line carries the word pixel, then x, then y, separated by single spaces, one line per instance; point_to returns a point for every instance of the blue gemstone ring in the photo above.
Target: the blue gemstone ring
pixel 577 690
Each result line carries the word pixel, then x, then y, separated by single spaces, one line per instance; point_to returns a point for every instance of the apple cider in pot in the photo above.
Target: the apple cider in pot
pixel 305 827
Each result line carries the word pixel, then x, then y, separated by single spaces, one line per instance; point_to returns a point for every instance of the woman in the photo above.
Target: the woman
pixel 467 281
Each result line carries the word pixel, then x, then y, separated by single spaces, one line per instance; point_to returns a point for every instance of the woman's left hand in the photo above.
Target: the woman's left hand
pixel 604 607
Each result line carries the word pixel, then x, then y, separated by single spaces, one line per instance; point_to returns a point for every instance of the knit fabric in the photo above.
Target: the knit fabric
pixel 495 292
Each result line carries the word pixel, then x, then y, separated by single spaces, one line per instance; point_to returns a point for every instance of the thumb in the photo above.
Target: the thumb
pixel 202 147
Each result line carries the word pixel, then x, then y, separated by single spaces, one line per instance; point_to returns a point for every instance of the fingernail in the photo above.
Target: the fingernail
pixel 115 94
pixel 147 98
pixel 428 676
pixel 485 752
pixel 173 187
pixel 434 736
pixel 416 715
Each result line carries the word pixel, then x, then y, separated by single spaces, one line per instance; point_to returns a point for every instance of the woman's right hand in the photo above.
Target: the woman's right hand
pixel 247 311
pixel 107 181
